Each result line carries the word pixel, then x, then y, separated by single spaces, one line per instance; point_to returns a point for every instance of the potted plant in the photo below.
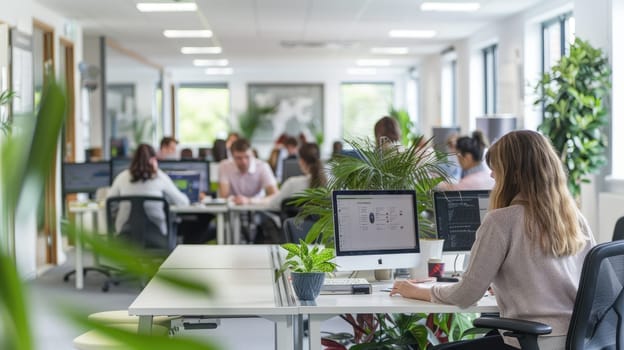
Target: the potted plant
pixel 249 120
pixel 307 265
pixel 572 95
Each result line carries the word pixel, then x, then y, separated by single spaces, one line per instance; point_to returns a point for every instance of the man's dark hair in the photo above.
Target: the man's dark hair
pixel 240 145
pixel 166 141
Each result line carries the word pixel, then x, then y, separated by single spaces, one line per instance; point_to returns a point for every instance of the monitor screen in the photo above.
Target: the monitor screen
pixel 117 165
pixel 187 182
pixel 458 215
pixel 375 229
pixel 201 167
pixel 85 177
pixel 290 167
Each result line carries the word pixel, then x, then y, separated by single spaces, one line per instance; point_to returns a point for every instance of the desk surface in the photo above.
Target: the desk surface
pixel 382 302
pixel 235 293
pixel 252 257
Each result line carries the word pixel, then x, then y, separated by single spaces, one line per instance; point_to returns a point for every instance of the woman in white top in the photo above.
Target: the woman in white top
pixel 530 247
pixel 143 178
pixel 475 174
pixel 314 176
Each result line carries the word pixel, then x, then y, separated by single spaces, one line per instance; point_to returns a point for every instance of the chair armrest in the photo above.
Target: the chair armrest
pixel 517 326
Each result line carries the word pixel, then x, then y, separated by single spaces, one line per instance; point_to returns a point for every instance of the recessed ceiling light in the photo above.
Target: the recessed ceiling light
pixel 166 6
pixel 390 50
pixel 362 71
pixel 450 6
pixel 204 63
pixel 401 33
pixel 200 50
pixel 219 71
pixel 172 33
pixel 373 62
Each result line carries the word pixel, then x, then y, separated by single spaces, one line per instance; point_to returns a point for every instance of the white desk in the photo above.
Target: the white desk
pixel 237 293
pixel 328 306
pixel 252 257
pixel 81 210
pixel 219 209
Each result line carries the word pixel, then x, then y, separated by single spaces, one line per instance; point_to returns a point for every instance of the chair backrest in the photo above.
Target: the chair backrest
pixel 288 210
pixel 618 231
pixel 295 229
pixel 596 321
pixel 144 221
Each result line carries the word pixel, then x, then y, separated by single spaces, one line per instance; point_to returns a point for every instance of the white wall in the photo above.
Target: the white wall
pixel 329 77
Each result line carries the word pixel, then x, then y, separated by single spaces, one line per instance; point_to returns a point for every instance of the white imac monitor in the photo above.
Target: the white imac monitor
pixel 375 229
pixel 458 215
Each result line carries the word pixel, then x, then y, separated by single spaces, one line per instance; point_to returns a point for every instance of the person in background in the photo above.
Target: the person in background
pixel 168 148
pixel 336 149
pixel 219 150
pixel 475 174
pixel 229 140
pixel 452 168
pixel 387 132
pixel 530 247
pixel 143 178
pixel 186 153
pixel 288 151
pixel 244 176
pixel 314 176
pixel 277 151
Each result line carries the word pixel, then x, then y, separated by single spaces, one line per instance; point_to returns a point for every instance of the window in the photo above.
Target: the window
pixel 362 105
pixel 449 90
pixel 490 83
pixel 203 112
pixel 557 34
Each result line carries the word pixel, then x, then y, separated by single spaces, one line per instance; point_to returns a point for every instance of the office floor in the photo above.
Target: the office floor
pixel 53 331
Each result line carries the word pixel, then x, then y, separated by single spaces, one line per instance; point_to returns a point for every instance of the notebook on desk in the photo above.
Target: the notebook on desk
pixel 346 286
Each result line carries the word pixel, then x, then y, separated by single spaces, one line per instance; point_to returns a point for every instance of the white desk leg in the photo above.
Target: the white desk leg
pixel 314 330
pixel 236 226
pixel 145 325
pixel 78 257
pixel 220 230
pixel 284 339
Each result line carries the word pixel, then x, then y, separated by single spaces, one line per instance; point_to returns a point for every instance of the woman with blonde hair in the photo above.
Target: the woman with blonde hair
pixel 530 247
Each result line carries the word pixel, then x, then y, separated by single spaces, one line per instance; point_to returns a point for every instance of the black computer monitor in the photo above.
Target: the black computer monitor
pixel 201 167
pixel 290 167
pixel 117 165
pixel 187 182
pixel 458 215
pixel 85 177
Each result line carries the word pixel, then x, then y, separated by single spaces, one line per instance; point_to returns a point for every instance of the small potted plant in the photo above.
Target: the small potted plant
pixel 307 265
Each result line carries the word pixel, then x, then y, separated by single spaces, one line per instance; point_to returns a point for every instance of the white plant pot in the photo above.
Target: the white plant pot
pixel 429 248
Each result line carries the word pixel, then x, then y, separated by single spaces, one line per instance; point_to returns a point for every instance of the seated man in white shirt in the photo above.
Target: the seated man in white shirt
pixel 244 177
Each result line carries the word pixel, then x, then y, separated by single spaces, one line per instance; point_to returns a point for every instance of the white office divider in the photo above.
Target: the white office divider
pixel 429 248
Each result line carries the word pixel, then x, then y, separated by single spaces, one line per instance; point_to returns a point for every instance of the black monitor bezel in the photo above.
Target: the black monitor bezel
pixel 162 164
pixel 339 252
pixel 446 194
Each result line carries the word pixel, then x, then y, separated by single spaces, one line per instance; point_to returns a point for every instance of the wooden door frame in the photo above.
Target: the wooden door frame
pixel 50 219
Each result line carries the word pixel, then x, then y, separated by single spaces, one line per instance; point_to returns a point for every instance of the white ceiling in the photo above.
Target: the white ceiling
pixel 251 31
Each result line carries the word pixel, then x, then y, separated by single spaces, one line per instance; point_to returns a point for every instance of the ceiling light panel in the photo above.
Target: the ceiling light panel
pixel 173 33
pixel 390 50
pixel 166 6
pixel 201 50
pixel 373 63
pixel 450 6
pixel 211 63
pixel 420 34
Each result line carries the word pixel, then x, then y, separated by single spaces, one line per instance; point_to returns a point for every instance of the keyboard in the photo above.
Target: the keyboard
pixel 346 286
pixel 344 281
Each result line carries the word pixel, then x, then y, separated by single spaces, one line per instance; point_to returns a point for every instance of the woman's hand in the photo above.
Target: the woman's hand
pixel 410 290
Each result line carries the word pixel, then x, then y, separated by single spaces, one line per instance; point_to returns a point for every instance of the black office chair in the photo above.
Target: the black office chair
pixel 295 229
pixel 598 317
pixel 288 210
pixel 618 231
pixel 141 232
